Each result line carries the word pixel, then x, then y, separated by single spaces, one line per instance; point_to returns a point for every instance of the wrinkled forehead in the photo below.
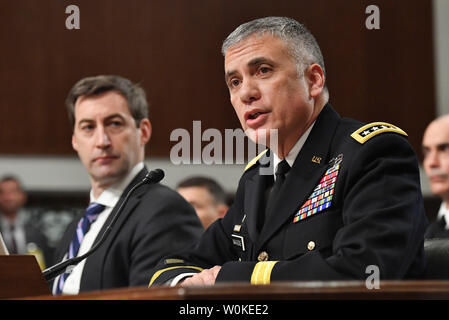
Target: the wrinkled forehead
pixel 256 45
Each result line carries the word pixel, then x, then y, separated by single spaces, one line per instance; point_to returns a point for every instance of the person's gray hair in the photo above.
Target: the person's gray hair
pixel 301 43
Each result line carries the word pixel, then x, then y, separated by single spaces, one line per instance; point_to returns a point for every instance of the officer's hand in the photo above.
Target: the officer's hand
pixel 204 278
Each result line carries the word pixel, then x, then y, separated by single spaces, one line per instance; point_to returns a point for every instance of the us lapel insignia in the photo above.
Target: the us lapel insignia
pixel 316 159
pixel 321 197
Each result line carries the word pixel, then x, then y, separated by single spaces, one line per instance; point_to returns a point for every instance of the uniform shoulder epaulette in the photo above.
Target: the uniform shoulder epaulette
pixel 370 130
pixel 255 159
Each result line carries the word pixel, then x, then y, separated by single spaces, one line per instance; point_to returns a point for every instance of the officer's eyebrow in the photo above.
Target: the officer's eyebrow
pixel 251 63
pixel 259 60
pixel 229 75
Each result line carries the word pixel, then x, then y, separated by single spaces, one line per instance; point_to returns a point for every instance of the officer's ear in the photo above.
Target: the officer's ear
pixel 315 79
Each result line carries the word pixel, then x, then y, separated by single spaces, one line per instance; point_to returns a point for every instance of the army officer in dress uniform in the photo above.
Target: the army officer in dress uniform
pixel 341 195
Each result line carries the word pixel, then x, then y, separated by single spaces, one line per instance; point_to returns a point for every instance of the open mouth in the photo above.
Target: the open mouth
pixel 256 118
pixel 254 115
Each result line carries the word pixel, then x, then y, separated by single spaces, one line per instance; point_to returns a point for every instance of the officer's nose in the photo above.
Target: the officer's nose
pixel 249 92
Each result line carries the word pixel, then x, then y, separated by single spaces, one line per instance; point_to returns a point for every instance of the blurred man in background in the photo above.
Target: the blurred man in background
pixel 435 146
pixel 206 196
pixel 20 236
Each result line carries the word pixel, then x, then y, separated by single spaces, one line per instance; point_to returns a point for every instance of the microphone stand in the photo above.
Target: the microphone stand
pixel 52 272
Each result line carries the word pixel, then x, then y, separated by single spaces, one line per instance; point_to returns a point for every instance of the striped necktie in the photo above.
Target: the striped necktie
pixel 91 214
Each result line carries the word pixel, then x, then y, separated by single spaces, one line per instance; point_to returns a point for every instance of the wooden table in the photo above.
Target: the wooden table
pixel 309 290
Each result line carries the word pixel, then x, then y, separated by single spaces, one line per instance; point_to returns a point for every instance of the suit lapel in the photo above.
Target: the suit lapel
pixel 304 174
pixel 93 269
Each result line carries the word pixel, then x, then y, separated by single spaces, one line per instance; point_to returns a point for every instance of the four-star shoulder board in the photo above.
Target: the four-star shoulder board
pixel 370 130
pixel 361 135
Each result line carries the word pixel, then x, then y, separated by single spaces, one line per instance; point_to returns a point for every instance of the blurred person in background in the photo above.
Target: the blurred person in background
pixel 20 236
pixel 207 197
pixel 435 147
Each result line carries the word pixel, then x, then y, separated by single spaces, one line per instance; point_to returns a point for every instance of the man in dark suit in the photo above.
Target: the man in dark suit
pixel 332 198
pixel 435 147
pixel 21 236
pixel 109 115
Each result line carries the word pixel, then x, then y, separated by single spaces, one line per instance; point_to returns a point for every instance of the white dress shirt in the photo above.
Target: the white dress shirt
pixel 444 213
pixel 291 156
pixel 18 233
pixel 109 199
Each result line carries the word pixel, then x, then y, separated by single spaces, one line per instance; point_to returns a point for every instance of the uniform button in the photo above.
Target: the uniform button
pixel 311 245
pixel 263 256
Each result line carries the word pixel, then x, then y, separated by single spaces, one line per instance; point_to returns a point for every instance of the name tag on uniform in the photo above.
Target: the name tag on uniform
pixel 238 241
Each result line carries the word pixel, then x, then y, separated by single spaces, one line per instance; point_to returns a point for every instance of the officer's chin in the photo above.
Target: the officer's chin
pixel 263 136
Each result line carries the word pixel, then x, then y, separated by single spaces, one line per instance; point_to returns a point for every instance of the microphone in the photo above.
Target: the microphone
pixel 154 176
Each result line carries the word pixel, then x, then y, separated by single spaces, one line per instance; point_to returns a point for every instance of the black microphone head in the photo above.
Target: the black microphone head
pixel 154 176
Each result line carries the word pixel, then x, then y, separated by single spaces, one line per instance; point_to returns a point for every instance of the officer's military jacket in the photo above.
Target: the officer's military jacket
pixel 350 204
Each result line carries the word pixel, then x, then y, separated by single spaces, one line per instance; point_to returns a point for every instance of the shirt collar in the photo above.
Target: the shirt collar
pixel 291 156
pixel 111 195
pixel 444 213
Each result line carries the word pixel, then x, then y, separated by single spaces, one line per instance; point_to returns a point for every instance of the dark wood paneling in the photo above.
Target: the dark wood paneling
pixel 173 49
